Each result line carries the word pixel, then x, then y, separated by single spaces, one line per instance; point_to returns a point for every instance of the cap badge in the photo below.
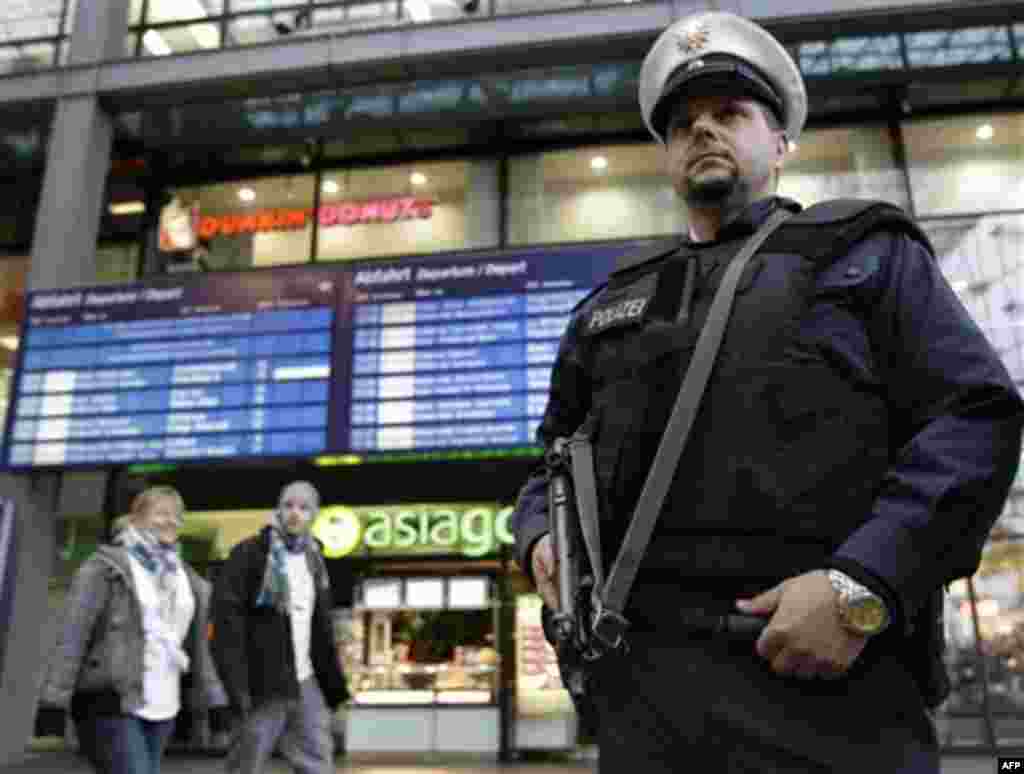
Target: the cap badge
pixel 694 39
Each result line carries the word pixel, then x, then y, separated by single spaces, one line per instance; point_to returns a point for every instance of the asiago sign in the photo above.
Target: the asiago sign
pixel 340 214
pixel 471 529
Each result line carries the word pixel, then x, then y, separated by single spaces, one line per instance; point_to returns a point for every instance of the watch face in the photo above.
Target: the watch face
pixel 868 616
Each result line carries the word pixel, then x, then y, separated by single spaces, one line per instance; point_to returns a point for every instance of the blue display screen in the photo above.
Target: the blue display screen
pixel 444 352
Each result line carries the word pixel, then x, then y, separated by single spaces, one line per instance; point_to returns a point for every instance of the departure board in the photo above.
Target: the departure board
pixel 433 353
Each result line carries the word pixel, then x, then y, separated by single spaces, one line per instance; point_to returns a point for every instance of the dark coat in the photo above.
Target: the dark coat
pixel 253 647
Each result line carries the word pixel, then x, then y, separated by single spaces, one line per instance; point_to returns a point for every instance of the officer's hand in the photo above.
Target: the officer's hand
pixel 545 571
pixel 804 637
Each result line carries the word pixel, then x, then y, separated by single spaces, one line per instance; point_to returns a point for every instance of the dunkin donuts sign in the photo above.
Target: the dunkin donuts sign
pixel 340 214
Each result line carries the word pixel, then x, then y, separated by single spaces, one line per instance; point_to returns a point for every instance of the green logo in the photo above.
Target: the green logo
pixel 340 530
pixel 470 529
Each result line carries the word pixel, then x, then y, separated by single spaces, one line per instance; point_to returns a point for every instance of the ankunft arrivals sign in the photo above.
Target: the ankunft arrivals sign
pixel 342 214
pixel 470 529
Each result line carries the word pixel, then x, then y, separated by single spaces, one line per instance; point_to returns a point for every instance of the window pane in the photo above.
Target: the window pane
pixel 241 6
pixel 181 40
pixel 249 30
pixel 1000 617
pixel 368 15
pixel 843 162
pixel 531 6
pixel 569 196
pixel 135 12
pixel 409 209
pixel 130 41
pixel 175 10
pixel 255 222
pixel 117 263
pixel 945 48
pixel 26 58
pixel 983 259
pixel 966 164
pixel 22 19
pixel 427 11
pixel 849 55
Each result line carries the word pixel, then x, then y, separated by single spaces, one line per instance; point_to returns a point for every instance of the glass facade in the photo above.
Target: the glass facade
pixel 845 162
pixel 621 191
pixel 117 263
pixel 967 164
pixel 33 33
pixel 593 193
pixel 252 223
pixel 408 209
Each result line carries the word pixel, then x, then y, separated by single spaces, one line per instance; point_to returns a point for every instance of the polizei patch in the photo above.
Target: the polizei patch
pixel 623 307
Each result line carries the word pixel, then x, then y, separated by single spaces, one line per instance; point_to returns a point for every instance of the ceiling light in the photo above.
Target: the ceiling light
pixel 331 187
pixel 418 178
pixel 9 342
pixel 598 163
pixel 985 132
pixel 419 10
pixel 127 208
pixel 155 43
pixel 246 194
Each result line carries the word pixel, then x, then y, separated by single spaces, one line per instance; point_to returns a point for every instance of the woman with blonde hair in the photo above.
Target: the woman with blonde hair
pixel 131 653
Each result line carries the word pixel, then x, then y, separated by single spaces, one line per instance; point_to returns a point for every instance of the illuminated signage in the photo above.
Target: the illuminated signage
pixel 341 214
pixel 474 530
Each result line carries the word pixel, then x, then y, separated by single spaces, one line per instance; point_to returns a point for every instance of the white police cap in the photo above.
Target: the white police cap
pixel 727 47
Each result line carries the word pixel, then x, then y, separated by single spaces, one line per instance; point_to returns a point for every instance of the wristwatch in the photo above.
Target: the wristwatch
pixel 861 610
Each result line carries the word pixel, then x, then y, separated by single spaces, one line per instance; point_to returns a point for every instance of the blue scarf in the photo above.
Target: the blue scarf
pixel 158 559
pixel 274 589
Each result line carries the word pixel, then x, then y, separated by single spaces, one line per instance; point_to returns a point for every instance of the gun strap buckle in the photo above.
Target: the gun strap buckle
pixel 608 627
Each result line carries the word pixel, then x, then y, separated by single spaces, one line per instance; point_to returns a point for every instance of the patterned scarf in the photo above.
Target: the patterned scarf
pixel 158 559
pixel 274 590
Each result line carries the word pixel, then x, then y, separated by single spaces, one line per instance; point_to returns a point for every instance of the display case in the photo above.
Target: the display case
pixel 545 717
pixel 421 651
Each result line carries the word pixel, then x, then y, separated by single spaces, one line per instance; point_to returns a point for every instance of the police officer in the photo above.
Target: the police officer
pixel 855 443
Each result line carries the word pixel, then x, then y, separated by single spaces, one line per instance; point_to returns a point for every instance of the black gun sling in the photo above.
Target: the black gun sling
pixel 609 595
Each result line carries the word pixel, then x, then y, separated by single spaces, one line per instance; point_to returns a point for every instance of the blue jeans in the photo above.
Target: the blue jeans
pixel 124 744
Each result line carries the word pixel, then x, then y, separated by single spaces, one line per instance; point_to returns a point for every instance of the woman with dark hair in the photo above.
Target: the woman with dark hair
pixel 131 651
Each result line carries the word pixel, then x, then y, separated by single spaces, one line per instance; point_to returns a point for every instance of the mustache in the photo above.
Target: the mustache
pixel 701 153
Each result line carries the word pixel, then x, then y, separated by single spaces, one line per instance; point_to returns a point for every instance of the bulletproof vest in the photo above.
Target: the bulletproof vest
pixel 789 446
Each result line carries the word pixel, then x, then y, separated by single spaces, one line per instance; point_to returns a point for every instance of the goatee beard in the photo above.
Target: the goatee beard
pixel 706 193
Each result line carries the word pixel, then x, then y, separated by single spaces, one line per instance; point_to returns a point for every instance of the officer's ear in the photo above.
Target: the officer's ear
pixel 781 150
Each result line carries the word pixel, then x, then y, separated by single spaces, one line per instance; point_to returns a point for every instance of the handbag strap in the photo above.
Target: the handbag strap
pixel 612 596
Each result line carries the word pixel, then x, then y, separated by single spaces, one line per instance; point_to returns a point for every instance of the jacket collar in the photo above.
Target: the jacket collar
pixel 311 552
pixel 118 559
pixel 746 221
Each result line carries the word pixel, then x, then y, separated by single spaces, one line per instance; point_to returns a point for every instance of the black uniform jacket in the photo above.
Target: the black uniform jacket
pixel 253 647
pixel 879 328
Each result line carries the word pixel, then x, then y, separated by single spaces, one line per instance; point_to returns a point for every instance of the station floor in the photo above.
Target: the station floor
pixel 61 762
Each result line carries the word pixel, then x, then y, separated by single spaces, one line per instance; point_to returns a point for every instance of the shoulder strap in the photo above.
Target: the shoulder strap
pixel 608 624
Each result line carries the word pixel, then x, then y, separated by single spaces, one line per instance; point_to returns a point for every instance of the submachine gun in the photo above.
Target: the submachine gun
pixel 589 623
